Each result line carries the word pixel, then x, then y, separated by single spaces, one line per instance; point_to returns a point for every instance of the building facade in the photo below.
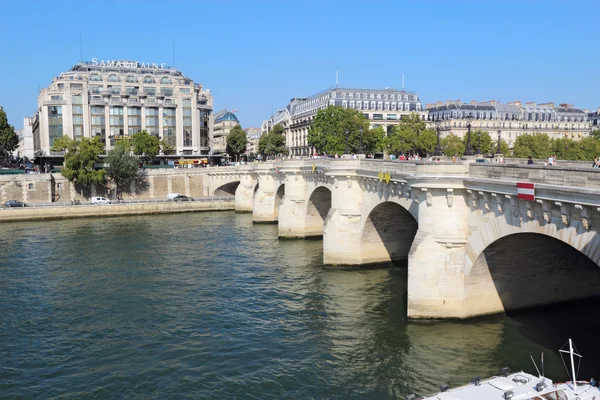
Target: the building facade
pixel 253 135
pixel 112 99
pixel 224 121
pixel 380 107
pixel 594 119
pixel 509 120
pixel 26 145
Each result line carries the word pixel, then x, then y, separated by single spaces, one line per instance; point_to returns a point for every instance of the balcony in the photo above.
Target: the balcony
pixel 96 101
pixel 55 102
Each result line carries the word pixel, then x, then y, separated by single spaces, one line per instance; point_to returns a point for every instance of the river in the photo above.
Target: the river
pixel 208 305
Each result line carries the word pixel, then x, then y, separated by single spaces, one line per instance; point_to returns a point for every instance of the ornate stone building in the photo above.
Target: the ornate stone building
pixel 224 121
pixel 111 99
pixel 594 119
pixel 381 107
pixel 510 120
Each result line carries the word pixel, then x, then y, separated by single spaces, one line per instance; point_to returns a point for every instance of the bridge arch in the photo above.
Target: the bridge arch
pixel 317 208
pixel 278 200
pixel 508 267
pixel 227 189
pixel 388 232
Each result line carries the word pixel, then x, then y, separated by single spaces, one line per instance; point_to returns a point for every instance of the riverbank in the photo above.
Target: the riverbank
pixel 113 210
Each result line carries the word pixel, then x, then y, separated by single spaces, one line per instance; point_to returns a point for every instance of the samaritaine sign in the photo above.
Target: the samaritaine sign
pixel 127 64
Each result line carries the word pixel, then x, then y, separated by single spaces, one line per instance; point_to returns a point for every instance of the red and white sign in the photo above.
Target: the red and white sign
pixel 526 191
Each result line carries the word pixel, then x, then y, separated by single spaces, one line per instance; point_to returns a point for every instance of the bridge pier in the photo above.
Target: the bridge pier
pixel 267 198
pixel 244 194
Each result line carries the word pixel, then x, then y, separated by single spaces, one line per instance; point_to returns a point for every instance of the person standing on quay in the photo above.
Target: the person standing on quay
pixel 530 161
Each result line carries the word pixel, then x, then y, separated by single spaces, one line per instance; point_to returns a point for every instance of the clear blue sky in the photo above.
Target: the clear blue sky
pixel 255 55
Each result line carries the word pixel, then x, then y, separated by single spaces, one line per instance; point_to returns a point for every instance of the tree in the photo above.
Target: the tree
pixel 537 146
pixel 80 157
pixel 374 140
pixel 122 169
pixel 402 140
pixel 595 133
pixel 146 145
pixel 237 140
pixel 9 140
pixel 272 143
pixel 487 144
pixel 166 147
pixel 567 149
pixel 452 145
pixel 328 130
pixel 504 147
pixel 426 141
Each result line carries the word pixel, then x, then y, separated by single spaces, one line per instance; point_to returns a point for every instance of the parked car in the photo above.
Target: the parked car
pixel 180 198
pixel 100 200
pixel 482 160
pixel 14 203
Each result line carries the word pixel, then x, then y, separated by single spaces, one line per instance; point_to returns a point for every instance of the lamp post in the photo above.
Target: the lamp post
pixel 499 150
pixel 438 149
pixel 361 142
pixel 468 149
pixel 479 142
pixel 346 132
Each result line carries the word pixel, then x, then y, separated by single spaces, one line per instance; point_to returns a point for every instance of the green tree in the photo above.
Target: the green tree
pixel 167 149
pixel 487 144
pixel 504 148
pixel 595 133
pixel 567 149
pixel 402 140
pixel 144 144
pixel 452 144
pixel 328 130
pixel 373 140
pixel 426 141
pixel 80 157
pixel 237 140
pixel 9 140
pixel 272 143
pixel 537 146
pixel 122 169
pixel 589 148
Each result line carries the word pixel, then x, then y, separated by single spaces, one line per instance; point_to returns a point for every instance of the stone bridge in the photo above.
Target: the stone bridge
pixel 471 245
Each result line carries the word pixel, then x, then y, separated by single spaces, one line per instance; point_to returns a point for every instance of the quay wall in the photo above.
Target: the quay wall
pixel 112 210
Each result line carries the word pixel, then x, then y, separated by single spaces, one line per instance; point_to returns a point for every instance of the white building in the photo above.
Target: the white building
pixel 110 99
pixel 26 145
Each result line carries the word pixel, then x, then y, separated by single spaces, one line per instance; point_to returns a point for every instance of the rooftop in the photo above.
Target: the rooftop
pixel 225 115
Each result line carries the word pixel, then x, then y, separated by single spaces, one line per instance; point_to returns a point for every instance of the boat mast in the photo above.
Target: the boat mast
pixel 572 365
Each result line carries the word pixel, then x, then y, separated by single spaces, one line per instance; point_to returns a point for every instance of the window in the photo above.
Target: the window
pixel 95 77
pixel 377 117
pixel 184 90
pixel 76 99
pixel 148 79
pixel 166 91
pixel 95 89
pixel 134 120
pixel 392 117
pixel 55 98
pixel 131 78
pixel 113 78
pixel 131 90
pixel 77 86
pixel 55 123
pixel 165 81
pixel 30 186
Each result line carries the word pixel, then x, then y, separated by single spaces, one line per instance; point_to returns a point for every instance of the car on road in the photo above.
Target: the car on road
pixel 100 200
pixel 482 160
pixel 180 198
pixel 14 203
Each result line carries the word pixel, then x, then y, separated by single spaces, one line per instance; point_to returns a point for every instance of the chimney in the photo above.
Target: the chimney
pixel 473 101
pixel 564 105
pixel 516 103
pixel 459 102
pixel 531 103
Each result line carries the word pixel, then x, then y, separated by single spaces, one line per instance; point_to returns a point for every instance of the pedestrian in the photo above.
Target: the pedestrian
pixel 454 158
pixel 554 160
pixel 550 161
pixel 530 161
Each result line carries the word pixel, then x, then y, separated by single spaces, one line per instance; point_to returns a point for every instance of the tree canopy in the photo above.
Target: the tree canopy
pixel 272 143
pixel 537 146
pixel 411 136
pixel 144 144
pixel 80 157
pixel 9 140
pixel 122 169
pixel 237 139
pixel 327 132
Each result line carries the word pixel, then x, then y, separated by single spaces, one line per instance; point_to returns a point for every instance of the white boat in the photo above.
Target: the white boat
pixel 522 386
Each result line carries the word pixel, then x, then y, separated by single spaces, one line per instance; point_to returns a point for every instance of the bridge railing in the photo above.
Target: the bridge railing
pixel 560 176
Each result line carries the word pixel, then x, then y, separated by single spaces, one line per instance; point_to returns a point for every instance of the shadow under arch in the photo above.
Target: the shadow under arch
pixel 388 233
pixel 227 189
pixel 317 209
pixel 278 199
pixel 525 270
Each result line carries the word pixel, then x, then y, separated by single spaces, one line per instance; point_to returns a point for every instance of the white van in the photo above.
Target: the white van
pixel 171 196
pixel 100 200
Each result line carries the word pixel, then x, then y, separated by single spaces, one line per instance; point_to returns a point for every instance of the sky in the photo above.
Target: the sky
pixel 255 56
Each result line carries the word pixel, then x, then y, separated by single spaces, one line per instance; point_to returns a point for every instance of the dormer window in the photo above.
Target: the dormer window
pixel 148 79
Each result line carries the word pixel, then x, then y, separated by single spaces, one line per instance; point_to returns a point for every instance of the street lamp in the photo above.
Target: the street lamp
pixel 346 141
pixel 438 149
pixel 468 149
pixel 361 142
pixel 499 150
pixel 479 142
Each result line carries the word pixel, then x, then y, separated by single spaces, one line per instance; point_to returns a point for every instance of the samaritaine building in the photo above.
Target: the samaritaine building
pixel 111 99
